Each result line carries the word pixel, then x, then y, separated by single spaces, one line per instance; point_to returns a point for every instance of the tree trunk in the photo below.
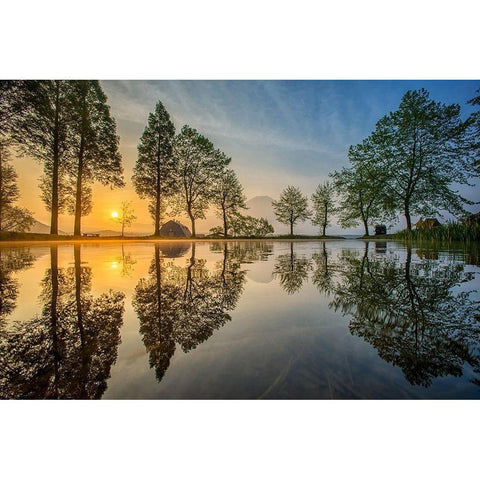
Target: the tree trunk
pixel 123 228
pixel 407 216
pixel 77 229
pixel 157 214
pixel 55 167
pixel 365 226
pixel 157 192
pixel 225 226
pixel 192 220
pixel 324 229
pixel 1 188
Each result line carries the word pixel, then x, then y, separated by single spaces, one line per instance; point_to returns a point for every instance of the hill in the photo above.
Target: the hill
pixel 39 227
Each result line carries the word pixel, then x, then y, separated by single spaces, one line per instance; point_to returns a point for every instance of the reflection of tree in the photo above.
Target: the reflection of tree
pixel 11 261
pixel 323 274
pixel 68 350
pixel 246 252
pixel 291 270
pixel 409 313
pixel 184 305
pixel 127 261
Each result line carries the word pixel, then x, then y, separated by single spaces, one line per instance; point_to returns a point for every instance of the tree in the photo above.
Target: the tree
pixel 154 175
pixel 42 132
pixel 292 207
pixel 95 155
pixel 474 130
pixel 423 147
pixel 361 188
pixel 9 192
pixel 199 167
pixel 228 198
pixel 323 205
pixel 126 217
pixel 247 226
pixel 11 107
pixel 291 270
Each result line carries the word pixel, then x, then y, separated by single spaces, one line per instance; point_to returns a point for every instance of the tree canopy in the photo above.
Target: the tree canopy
pixel 292 207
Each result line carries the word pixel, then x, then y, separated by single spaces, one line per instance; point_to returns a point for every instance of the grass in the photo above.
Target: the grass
pixel 450 232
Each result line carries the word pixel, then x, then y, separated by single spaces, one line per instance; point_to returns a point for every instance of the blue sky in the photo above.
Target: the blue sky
pixel 277 132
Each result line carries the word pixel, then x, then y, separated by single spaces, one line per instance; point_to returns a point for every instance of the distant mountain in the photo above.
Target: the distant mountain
pixel 261 206
pixel 39 227
pixel 106 233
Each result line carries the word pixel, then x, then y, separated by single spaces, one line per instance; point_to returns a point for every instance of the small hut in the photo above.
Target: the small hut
pixel 174 229
pixel 427 224
pixel 380 229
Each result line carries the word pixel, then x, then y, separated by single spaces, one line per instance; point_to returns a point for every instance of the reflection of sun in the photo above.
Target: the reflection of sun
pixel 114 214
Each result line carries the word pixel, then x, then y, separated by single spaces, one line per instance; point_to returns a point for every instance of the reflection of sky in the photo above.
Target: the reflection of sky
pixel 277 132
pixel 274 344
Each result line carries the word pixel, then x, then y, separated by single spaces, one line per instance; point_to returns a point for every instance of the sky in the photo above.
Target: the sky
pixel 277 133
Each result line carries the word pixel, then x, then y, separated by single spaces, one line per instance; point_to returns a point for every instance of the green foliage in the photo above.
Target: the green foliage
pixel 199 168
pixel 228 198
pixel 361 188
pixel 155 172
pixel 323 205
pixel 424 149
pixel 247 226
pixel 292 207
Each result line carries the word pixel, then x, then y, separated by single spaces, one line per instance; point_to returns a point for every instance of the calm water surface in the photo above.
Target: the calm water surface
pixel 337 319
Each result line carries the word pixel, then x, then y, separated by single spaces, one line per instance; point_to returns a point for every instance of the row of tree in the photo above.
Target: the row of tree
pixel 67 126
pixel 411 164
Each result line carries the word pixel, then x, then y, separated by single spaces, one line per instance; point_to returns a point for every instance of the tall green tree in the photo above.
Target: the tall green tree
pixel 361 188
pixel 292 207
pixel 323 205
pixel 94 148
pixel 42 132
pixel 199 167
pixel 154 175
pixel 228 198
pixel 423 145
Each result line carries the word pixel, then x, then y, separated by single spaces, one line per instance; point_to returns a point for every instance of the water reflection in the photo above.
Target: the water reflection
pixel 410 312
pixel 306 332
pixel 291 270
pixel 66 351
pixel 184 305
pixel 11 261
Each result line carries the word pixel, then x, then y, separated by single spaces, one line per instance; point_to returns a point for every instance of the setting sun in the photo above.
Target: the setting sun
pixel 114 214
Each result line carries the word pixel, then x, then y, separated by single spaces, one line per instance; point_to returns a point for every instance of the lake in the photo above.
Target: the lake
pixel 344 319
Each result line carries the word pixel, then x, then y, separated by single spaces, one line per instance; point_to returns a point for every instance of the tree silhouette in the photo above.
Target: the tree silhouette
pixel 199 167
pixel 94 148
pixel 66 351
pixel 291 270
pixel 184 305
pixel 42 132
pixel 410 313
pixel 155 175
